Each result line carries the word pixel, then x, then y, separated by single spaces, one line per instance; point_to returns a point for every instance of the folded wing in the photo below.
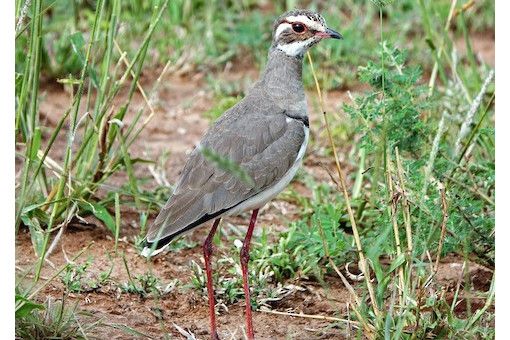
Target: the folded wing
pixel 264 145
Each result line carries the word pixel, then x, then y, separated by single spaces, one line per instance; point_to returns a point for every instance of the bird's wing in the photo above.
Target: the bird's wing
pixel 264 145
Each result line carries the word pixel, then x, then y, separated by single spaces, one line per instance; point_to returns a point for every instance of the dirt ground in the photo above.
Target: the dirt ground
pixel 177 127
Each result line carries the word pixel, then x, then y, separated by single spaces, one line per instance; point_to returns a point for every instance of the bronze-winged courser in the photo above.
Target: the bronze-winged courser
pixel 265 135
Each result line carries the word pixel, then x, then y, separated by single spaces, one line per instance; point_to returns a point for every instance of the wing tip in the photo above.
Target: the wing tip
pixel 148 250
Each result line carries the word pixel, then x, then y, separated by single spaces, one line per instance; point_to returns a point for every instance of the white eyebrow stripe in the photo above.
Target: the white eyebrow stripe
pixel 305 20
pixel 282 27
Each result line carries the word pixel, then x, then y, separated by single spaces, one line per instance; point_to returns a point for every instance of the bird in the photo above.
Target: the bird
pixel 265 134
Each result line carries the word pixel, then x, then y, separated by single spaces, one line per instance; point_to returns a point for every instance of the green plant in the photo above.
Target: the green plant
pixel 77 279
pixel 142 285
pixel 403 217
pixel 54 320
pixel 228 283
pixel 51 193
pixel 73 275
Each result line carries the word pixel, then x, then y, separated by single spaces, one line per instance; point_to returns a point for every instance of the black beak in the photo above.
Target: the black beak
pixel 333 34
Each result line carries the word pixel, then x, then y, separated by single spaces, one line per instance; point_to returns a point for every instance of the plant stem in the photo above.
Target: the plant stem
pixel 72 133
pixel 364 266
pixel 444 206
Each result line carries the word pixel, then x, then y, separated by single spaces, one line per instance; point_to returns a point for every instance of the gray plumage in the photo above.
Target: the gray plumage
pixel 265 134
pixel 254 133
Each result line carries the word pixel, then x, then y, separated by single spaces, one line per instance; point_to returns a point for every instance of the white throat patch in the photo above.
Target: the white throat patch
pixel 297 48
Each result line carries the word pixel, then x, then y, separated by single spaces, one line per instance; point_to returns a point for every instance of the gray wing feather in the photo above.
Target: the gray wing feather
pixel 263 143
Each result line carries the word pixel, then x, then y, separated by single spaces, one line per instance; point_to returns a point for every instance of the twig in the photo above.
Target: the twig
pixel 140 88
pixel 61 231
pixel 443 225
pixel 364 267
pixel 310 316
pixel 468 120
pixel 435 69
pixel 457 289
pixel 149 117
pixel 369 329
pixel 405 202
pixel 332 263
pixel 18 268
pixel 433 153
pixel 352 276
pixel 473 190
pixel 158 81
pixel 394 198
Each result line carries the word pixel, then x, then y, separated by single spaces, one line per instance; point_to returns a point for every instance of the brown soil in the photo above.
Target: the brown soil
pixel 188 308
pixel 176 128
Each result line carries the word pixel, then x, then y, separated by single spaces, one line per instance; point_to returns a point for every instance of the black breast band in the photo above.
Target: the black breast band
pixel 302 119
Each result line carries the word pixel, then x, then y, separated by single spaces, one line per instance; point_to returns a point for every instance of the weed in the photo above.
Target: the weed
pixel 228 283
pixel 104 140
pixel 54 320
pixel 143 285
pixel 73 275
pixel 77 279
pixel 397 115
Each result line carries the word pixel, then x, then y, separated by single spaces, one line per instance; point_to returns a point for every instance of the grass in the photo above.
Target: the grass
pixel 417 183
pixel 55 320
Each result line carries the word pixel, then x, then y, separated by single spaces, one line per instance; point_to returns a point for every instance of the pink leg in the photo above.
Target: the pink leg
pixel 208 250
pixel 245 258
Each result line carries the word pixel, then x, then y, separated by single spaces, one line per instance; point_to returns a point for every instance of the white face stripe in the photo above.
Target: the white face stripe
pixel 282 27
pixel 296 48
pixel 305 20
pixel 311 24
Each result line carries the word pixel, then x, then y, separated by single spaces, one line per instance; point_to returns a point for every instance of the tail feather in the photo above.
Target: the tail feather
pixel 156 246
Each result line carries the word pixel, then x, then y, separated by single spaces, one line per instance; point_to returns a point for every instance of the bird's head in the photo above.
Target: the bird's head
pixel 296 31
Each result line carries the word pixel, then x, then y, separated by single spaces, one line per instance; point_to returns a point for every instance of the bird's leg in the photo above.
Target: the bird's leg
pixel 245 258
pixel 208 250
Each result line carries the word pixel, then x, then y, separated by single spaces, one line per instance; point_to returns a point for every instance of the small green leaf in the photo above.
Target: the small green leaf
pixel 36 143
pixel 399 260
pixel 26 210
pixel 36 233
pixel 25 306
pixel 101 213
pixel 228 165
pixel 128 330
pixel 78 44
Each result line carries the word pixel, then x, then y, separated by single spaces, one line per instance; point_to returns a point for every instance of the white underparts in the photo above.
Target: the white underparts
pixel 296 48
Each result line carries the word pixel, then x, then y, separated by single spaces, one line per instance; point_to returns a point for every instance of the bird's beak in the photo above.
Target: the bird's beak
pixel 329 33
pixel 332 34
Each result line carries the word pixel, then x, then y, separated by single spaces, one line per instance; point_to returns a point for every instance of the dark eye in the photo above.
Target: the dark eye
pixel 298 28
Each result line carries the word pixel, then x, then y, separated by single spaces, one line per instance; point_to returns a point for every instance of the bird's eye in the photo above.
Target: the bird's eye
pixel 298 28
